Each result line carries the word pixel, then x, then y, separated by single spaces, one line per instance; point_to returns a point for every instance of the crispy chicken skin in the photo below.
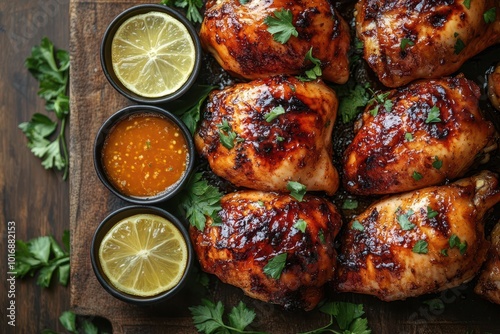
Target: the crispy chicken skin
pixel 258 226
pixel 406 40
pixel 379 259
pixel 429 132
pixel 488 284
pixel 236 35
pixel 267 154
pixel 494 87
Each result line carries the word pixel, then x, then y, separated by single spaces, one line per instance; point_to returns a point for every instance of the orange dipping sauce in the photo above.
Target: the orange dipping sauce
pixel 144 155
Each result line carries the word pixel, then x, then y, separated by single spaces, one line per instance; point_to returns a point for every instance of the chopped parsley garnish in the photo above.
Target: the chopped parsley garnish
pixel 405 42
pixel 315 72
pixel 275 266
pixel 321 236
pixel 274 113
pixel 408 136
pixel 404 220
pixel 226 135
pixel 490 15
pixel 437 163
pixel 459 44
pixel 455 242
pixel 433 116
pixel 417 176
pixel 431 213
pixel 281 25
pixel 421 247
pixel 444 252
pixel 467 3
pixel 300 225
pixel 352 98
pixel 350 204
pixel 356 225
pixel 297 190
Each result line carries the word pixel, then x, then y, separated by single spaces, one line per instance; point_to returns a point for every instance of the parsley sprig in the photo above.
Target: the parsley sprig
pixel 348 317
pixel 51 69
pixel 281 25
pixel 192 8
pixel 208 318
pixel 43 255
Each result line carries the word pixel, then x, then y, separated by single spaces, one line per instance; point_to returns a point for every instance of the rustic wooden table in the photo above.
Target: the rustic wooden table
pixel 41 203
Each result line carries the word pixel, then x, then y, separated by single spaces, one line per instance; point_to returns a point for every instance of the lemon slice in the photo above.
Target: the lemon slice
pixel 143 255
pixel 153 54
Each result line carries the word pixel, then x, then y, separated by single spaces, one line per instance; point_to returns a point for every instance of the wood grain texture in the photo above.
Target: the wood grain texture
pixel 93 100
pixel 35 199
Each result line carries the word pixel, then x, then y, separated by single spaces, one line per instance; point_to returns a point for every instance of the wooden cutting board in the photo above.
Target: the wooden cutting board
pixel 93 100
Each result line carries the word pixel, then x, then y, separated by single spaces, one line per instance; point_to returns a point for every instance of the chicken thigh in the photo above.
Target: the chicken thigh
pixel 265 133
pixel 237 35
pixel 420 242
pixel 494 87
pixel 417 136
pixel 488 284
pixel 272 246
pixel 406 40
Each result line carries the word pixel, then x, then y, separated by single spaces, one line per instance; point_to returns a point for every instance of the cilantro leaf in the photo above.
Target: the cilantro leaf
pixel 467 3
pixel 352 99
pixel 300 225
pixel 459 44
pixel 42 256
pixel 199 200
pixel 240 316
pixel 408 136
pixel 433 116
pixel 275 266
pixel 420 247
pixel 350 204
pixel 274 113
pixel 431 213
pixel 281 25
pixel 226 135
pixel 404 220
pixel 192 8
pixel 417 176
pixel 297 190
pixel 437 163
pixel 315 72
pixel 405 42
pixel 490 15
pixel 188 107
pixel 356 225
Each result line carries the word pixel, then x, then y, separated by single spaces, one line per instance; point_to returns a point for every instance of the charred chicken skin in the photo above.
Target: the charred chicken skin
pixel 420 242
pixel 259 226
pixel 406 40
pixel 488 284
pixel 237 36
pixel 265 133
pixel 417 136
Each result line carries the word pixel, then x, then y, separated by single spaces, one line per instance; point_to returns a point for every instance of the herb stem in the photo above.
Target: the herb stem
pixel 62 140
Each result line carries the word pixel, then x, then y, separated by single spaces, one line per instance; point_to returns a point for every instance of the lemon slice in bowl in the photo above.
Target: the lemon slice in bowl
pixel 153 54
pixel 143 255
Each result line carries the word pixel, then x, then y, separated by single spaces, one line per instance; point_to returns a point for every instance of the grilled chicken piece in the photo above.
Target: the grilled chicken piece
pixel 268 153
pixel 422 135
pixel 494 87
pixel 237 36
pixel 256 228
pixel 406 40
pixel 420 242
pixel 488 285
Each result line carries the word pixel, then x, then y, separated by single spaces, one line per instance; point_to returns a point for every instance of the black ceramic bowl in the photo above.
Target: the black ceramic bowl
pixel 106 61
pixel 113 219
pixel 125 113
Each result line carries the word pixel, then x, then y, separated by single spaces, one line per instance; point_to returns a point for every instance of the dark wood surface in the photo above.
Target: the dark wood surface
pixel 35 199
pixel 41 203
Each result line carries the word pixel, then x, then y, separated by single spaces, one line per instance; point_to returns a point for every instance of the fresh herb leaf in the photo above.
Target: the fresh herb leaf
pixel 350 204
pixel 431 213
pixel 405 42
pixel 200 200
pixel 42 256
pixel 404 220
pixel 297 190
pixel 437 163
pixel 275 266
pixel 444 252
pixel 467 3
pixel 281 25
pixel 420 247
pixel 435 304
pixel 353 98
pixel 462 247
pixel 68 320
pixel 51 69
pixel 226 135
pixel 240 317
pixel 300 225
pixel 274 113
pixel 433 116
pixel 188 107
pixel 192 8
pixel 315 72
pixel 454 241
pixel 459 44
pixel 408 136
pixel 417 176
pixel 321 236
pixel 243 2
pixel 490 15
pixel 356 225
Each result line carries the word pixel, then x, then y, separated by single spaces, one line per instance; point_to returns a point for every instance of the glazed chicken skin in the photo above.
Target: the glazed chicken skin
pixel 488 284
pixel 267 152
pixel 494 87
pixel 237 36
pixel 420 242
pixel 406 40
pixel 259 226
pixel 421 135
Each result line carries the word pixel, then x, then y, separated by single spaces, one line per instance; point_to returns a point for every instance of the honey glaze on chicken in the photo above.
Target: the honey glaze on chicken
pixel 430 132
pixel 406 40
pixel 488 284
pixel 419 242
pixel 269 152
pixel 258 226
pixel 236 35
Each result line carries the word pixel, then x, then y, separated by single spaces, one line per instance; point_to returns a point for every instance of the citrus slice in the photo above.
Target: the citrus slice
pixel 143 255
pixel 153 54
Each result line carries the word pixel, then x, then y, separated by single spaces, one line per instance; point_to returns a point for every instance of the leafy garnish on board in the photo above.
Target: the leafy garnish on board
pixel 192 8
pixel 348 317
pixel 208 318
pixel 43 255
pixel 51 69
pixel 199 200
